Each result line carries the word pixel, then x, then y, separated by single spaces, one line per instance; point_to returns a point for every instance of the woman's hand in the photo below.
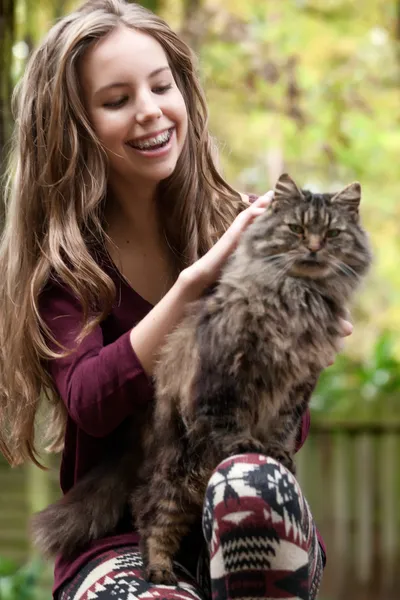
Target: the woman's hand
pixel 206 270
pixel 346 329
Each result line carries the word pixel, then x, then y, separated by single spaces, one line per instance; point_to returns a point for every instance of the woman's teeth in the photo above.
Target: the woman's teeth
pixel 153 143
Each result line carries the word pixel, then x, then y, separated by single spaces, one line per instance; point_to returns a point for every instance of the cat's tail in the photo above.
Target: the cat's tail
pixel 89 511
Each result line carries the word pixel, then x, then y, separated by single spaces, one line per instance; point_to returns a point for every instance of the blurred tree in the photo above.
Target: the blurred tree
pixel 150 4
pixel 192 27
pixel 7 30
pixel 398 21
pixel 397 34
pixel 59 8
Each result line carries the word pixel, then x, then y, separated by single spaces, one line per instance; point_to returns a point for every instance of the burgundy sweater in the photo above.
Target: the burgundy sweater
pixel 102 383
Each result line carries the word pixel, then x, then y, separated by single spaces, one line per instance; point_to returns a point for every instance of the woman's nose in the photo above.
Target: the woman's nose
pixel 147 109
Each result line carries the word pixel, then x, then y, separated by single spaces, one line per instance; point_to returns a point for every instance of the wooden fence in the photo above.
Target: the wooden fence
pixel 350 474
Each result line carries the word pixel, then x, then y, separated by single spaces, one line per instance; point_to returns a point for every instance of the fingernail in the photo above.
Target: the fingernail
pixel 265 198
pixel 269 195
pixel 348 327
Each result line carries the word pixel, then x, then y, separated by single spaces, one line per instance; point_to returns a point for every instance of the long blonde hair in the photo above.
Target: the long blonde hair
pixel 55 200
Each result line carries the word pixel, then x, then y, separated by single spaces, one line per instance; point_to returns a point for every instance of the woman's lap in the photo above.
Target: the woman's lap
pixel 118 575
pixel 240 486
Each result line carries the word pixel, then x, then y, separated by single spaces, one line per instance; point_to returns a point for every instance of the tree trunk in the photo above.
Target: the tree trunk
pixel 7 13
pixel 193 29
pixel 398 20
pixel 397 37
pixel 150 4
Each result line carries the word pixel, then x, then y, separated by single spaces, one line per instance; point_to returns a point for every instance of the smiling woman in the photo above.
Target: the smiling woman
pixel 117 218
pixel 136 110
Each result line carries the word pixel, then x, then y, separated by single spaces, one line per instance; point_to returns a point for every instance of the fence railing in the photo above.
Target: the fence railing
pixel 350 473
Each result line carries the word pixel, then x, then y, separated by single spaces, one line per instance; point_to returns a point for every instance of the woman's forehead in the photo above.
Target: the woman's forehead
pixel 123 54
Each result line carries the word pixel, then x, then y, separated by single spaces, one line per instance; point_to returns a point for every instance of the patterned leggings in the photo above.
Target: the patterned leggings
pixel 261 543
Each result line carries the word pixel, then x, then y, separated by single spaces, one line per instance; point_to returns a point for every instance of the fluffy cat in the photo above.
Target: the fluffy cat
pixel 235 376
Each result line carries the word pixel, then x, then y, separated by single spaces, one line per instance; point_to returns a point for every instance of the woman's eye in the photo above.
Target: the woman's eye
pixel 116 103
pixel 296 228
pixel 332 233
pixel 161 89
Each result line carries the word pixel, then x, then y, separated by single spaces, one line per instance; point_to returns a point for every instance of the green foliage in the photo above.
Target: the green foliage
pixel 19 583
pixel 364 389
pixel 312 87
pixel 151 4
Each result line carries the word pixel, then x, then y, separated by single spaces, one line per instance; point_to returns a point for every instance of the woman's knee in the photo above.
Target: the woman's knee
pixel 253 482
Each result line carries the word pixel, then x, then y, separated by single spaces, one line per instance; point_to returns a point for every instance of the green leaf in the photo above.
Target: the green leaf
pixel 7 567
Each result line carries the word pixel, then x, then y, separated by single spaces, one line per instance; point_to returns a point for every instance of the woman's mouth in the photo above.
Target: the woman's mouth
pixel 153 144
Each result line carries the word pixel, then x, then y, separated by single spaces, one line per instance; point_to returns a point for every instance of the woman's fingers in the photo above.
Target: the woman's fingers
pixel 249 214
pixel 208 267
pixel 242 221
pixel 266 197
pixel 346 327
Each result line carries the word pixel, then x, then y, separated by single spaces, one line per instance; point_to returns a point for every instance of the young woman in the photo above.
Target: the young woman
pixel 116 218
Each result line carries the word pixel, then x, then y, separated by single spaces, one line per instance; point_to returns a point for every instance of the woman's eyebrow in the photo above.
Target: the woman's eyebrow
pixel 125 84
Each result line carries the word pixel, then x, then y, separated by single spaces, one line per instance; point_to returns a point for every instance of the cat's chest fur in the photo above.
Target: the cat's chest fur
pixel 291 324
pixel 270 342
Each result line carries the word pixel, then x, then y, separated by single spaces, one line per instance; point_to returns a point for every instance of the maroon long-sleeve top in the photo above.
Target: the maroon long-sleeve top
pixel 102 383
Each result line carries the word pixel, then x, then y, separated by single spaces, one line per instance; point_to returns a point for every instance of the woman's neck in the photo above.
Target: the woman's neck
pixel 137 245
pixel 132 216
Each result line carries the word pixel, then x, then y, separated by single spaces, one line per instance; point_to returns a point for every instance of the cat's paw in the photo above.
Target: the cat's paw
pixel 244 445
pixel 160 575
pixel 284 457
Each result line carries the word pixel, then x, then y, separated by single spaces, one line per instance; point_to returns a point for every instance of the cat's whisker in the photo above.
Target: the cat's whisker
pixel 276 257
pixel 281 272
pixel 346 269
pixel 281 263
pixel 338 269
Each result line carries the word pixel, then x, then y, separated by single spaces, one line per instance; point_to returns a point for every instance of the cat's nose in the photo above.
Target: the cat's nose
pixel 314 243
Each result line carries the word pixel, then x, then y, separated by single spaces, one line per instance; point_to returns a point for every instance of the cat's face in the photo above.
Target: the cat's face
pixel 312 235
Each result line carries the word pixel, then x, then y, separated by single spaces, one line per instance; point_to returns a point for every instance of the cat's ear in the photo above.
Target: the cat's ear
pixel 286 189
pixel 349 198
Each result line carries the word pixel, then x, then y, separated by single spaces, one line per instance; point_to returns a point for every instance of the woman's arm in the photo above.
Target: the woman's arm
pixel 148 335
pixel 101 385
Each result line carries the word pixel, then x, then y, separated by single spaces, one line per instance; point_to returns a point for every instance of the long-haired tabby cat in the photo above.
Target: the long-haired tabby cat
pixel 235 376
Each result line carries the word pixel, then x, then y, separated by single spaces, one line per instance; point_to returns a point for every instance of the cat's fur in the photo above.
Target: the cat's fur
pixel 235 376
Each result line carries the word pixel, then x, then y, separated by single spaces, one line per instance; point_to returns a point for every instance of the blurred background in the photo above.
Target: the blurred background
pixel 311 87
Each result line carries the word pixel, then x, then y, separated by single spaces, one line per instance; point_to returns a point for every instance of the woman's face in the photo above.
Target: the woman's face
pixel 134 105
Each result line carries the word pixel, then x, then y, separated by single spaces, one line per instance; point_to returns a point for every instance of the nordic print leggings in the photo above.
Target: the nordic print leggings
pixel 261 543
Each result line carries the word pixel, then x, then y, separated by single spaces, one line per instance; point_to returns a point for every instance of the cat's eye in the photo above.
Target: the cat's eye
pixel 332 233
pixel 296 228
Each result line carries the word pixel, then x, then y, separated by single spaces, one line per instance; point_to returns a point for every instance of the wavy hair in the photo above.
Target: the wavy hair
pixel 55 193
